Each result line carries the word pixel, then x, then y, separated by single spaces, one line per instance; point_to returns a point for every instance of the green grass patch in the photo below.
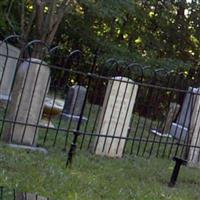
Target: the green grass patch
pixel 93 177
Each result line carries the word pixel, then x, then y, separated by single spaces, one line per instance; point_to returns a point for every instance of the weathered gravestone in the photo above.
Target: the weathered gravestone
pixel 74 103
pixel 194 133
pixel 115 117
pixel 187 126
pixel 180 129
pixel 8 61
pixel 26 105
pixel 29 196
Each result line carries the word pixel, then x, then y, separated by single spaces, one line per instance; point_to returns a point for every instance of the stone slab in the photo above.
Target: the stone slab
pixel 8 63
pixel 115 117
pixel 26 105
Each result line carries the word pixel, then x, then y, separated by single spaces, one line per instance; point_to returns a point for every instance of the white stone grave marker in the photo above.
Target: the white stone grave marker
pixel 194 151
pixel 115 117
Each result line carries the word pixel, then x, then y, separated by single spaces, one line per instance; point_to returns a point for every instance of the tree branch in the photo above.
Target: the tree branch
pixel 29 25
pixel 22 18
pixel 50 15
pixel 57 17
pixel 49 38
pixel 62 10
pixel 40 16
pixel 7 16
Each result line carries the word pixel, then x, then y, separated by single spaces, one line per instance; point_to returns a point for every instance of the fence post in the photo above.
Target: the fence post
pixel 176 170
pixel 76 132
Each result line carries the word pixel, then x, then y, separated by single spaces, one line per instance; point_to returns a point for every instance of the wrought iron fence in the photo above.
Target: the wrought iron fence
pixel 110 108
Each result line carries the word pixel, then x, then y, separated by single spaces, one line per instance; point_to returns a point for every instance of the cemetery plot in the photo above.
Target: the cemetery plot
pixel 109 113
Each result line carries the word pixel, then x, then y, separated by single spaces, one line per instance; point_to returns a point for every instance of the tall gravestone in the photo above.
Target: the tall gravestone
pixel 194 133
pixel 180 128
pixel 8 61
pixel 115 117
pixel 26 105
pixel 74 102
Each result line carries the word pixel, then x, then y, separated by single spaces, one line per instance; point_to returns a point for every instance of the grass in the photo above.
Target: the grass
pixel 93 177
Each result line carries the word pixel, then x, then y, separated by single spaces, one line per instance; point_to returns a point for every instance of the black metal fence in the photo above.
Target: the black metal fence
pixel 110 108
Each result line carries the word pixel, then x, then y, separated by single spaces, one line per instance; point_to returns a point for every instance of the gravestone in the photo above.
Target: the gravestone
pixel 8 62
pixel 180 129
pixel 194 137
pixel 26 104
pixel 29 196
pixel 74 103
pixel 115 117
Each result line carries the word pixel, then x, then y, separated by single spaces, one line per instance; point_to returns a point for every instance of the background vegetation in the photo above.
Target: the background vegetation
pixel 155 32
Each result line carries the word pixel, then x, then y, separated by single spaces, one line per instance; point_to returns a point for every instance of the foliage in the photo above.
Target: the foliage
pixel 160 33
pixel 37 18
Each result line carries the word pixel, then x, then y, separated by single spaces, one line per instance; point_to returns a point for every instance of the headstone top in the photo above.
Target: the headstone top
pixel 36 61
pixel 121 78
pixel 186 110
pixel 11 49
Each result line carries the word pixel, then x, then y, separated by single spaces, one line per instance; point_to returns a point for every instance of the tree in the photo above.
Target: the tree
pixel 158 32
pixel 39 19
